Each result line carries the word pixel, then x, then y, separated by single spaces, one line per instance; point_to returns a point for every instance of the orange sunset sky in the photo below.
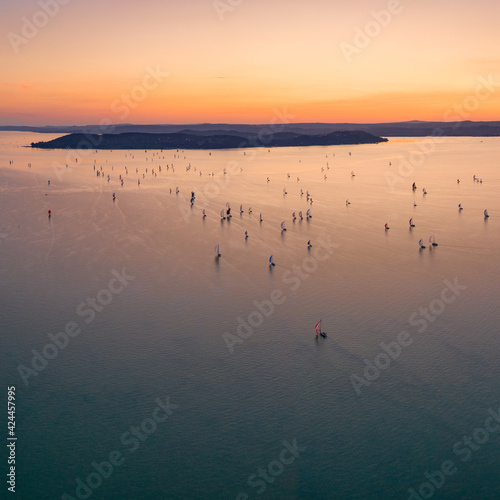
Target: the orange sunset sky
pixel 237 61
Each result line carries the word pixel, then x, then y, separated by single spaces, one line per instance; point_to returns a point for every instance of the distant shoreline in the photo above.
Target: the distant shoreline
pixel 396 129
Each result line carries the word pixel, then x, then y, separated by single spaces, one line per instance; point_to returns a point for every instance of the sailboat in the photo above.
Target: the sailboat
pixel 460 206
pixel 293 216
pixel 241 209
pixel 222 217
pixel 204 214
pixel 217 254
pixel 318 329
pixel 309 244
pixel 411 222
pixel 284 191
pixel 432 242
pixel 271 263
pixel 283 228
pixel 386 226
pixel 300 215
pixel 421 244
pixel 486 214
pixel 308 213
pixel 260 217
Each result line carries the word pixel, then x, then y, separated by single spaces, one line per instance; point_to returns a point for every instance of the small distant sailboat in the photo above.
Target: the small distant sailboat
pixel 283 228
pixel 432 241
pixel 246 234
pixel 347 202
pixel 318 329
pixel 260 217
pixel 301 192
pixel 308 213
pixel 411 222
pixel 386 226
pixel 424 191
pixel 114 196
pixel 217 253
pixel 50 213
pixel 271 263
pixel 309 244
pixel 300 215
pixel 249 210
pixel 204 213
pixel 460 206
pixel 353 174
pixel 222 216
pixel 486 214
pixel 421 244
pixel 241 209
pixel 284 191
pixel 293 216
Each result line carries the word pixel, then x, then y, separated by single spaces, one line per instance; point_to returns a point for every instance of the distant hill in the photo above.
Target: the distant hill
pixel 192 141
pixel 396 129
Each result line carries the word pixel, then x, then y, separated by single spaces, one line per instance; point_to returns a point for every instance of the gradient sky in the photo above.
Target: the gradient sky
pixel 238 61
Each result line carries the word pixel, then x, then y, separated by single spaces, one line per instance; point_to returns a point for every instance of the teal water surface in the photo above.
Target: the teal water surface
pixel 264 410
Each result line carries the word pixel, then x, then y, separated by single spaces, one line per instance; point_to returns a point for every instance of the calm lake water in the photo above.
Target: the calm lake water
pixel 171 326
